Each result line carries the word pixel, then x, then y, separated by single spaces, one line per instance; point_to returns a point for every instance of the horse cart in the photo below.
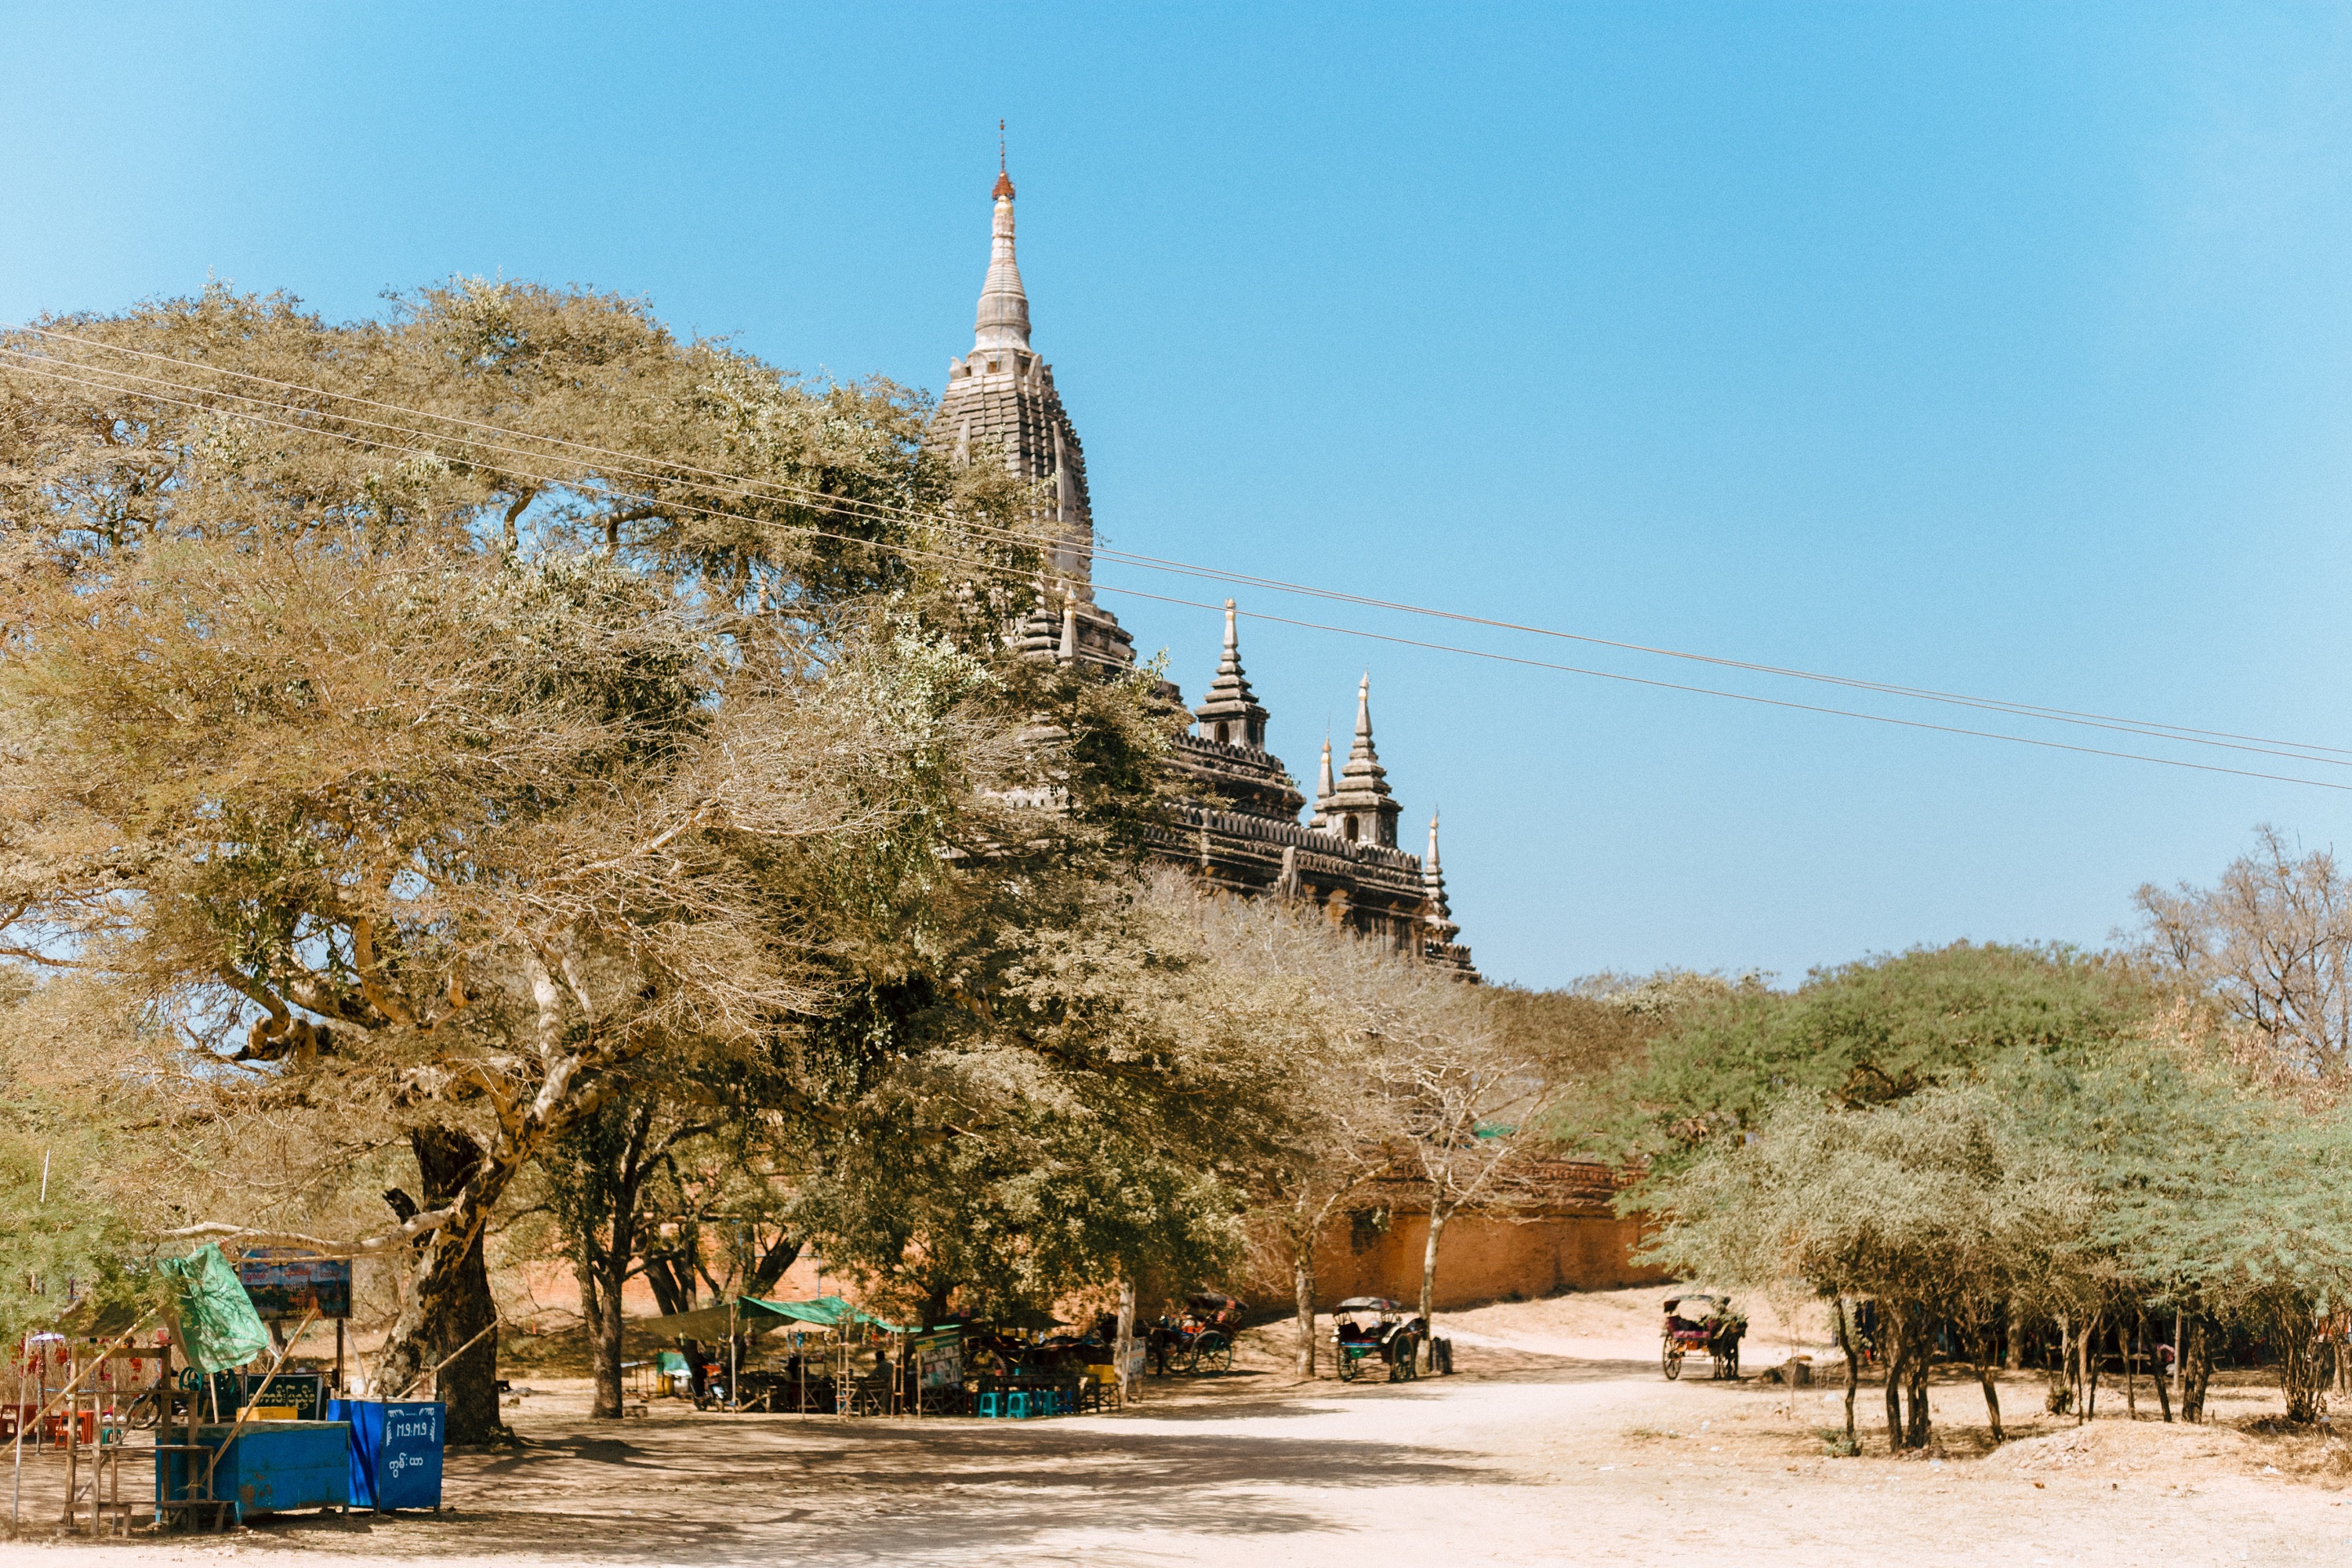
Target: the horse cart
pixel 1702 1323
pixel 1201 1339
pixel 1373 1329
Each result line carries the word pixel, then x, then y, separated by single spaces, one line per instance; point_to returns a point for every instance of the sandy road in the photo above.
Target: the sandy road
pixel 1525 1459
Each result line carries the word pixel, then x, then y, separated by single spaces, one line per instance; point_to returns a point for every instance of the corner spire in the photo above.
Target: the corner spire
pixel 1231 712
pixel 1362 808
pixel 1440 917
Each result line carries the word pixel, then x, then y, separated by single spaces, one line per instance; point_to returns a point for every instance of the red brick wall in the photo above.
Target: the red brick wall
pixel 1480 1258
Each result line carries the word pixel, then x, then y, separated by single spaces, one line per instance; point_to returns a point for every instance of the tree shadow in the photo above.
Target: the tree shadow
pixel 758 1489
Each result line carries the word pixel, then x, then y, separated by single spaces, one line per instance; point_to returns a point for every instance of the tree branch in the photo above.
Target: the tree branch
pixel 397 1239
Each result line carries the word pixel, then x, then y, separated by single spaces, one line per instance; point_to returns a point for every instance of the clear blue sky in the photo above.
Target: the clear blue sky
pixel 1994 349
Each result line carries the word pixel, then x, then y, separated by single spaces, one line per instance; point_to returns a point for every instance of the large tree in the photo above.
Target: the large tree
pixel 431 773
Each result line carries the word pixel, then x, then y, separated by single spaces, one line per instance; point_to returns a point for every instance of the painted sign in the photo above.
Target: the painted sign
pixel 284 1286
pixel 939 1358
pixel 304 1390
pixel 1131 1380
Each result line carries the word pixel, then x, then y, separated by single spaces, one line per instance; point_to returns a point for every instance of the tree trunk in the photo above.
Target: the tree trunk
pixel 2093 1364
pixel 613 1269
pixel 1921 1333
pixel 2062 1368
pixel 2300 1374
pixel 673 1286
pixel 773 1261
pixel 1437 1218
pixel 449 1300
pixel 1853 1372
pixel 1302 1282
pixel 1896 1342
pixel 2196 1370
pixel 2163 1379
pixel 2014 1356
pixel 2131 1369
pixel 2082 1371
pixel 1986 1360
pixel 2180 1354
pixel 1124 1347
pixel 935 1304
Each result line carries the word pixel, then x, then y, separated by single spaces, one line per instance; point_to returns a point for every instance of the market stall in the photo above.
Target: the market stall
pixel 834 1358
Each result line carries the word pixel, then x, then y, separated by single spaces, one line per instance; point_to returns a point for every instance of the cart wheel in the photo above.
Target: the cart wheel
pixel 1673 1360
pixel 1214 1353
pixel 1187 1360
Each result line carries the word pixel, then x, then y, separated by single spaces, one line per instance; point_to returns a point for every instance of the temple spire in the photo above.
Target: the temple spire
pixel 999 396
pixel 1003 320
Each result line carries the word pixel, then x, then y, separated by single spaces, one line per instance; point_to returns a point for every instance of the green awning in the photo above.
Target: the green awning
pixel 750 1315
pixel 826 1311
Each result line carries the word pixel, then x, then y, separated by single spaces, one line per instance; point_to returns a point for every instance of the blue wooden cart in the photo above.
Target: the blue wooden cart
pixel 270 1467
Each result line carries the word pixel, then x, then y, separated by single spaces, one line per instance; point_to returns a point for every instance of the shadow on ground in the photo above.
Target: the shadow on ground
pixel 756 1487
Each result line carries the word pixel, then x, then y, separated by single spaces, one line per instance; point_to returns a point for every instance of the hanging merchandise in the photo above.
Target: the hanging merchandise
pixel 215 1319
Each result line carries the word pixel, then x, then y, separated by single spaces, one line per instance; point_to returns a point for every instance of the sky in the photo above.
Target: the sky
pixel 1996 350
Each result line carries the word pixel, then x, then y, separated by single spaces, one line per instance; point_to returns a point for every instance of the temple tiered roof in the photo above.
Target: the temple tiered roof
pixel 1242 833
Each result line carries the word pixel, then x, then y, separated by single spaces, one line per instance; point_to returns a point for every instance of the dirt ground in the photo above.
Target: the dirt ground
pixel 1557 1441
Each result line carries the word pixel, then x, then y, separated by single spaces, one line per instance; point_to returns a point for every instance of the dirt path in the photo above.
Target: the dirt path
pixel 1527 1458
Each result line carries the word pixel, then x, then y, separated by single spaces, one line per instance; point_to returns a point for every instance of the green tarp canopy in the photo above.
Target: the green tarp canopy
pixel 218 1327
pixel 750 1315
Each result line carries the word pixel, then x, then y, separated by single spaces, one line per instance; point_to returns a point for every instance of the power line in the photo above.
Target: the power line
pixel 871 510
pixel 1743 696
pixel 40 368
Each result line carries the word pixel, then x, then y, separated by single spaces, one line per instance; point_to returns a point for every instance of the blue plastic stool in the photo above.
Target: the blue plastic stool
pixel 1017 1405
pixel 988 1407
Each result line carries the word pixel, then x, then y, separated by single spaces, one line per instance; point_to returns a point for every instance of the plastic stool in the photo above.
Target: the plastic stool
pixel 1017 1405
pixel 988 1407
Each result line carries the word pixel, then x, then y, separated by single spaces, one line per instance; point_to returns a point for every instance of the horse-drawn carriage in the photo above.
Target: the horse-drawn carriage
pixel 1702 1323
pixel 1372 1328
pixel 1201 1339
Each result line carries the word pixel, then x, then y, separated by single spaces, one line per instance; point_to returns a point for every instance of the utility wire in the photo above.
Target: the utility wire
pixel 867 509
pixel 39 368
